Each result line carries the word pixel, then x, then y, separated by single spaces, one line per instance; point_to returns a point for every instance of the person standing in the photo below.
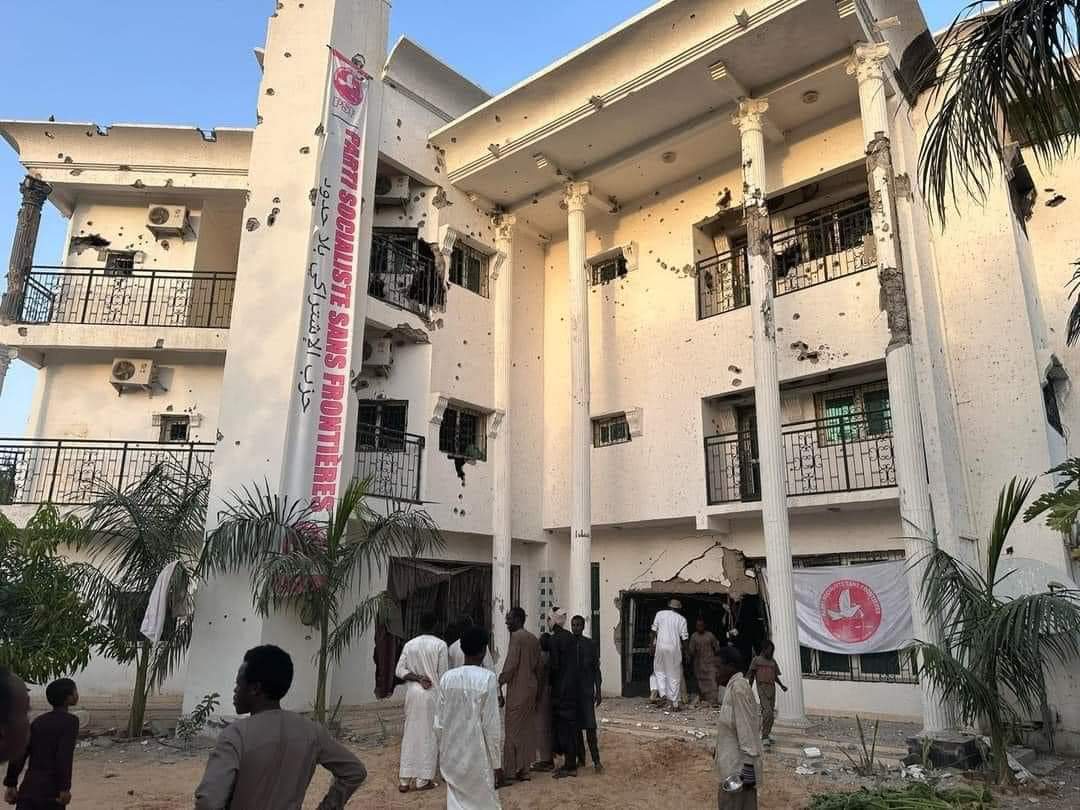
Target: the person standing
pixel 565 675
pixel 51 752
pixel 738 735
pixel 468 729
pixel 266 761
pixel 766 673
pixel 421 665
pixel 455 656
pixel 545 759
pixel 521 675
pixel 589 696
pixel 702 648
pixel 668 634
pixel 14 716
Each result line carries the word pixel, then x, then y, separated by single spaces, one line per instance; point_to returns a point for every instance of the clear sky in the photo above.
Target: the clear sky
pixel 133 61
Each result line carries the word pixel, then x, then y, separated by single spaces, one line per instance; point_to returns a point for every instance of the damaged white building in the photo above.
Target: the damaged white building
pixel 669 317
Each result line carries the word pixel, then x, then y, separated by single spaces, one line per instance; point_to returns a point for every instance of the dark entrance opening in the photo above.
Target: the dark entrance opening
pixel 720 611
pixel 448 588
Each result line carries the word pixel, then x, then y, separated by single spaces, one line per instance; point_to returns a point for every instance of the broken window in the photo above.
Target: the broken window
pixel 1050 401
pixel 381 424
pixel 463 433
pixel 609 269
pixel 469 268
pixel 174 427
pixel 857 412
pixel 119 262
pixel 403 271
pixel 609 430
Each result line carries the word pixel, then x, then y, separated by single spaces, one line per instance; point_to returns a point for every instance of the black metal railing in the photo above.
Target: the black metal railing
pixel 390 461
pixel 66 471
pixel 110 297
pixel 837 454
pixel 821 249
pixel 402 276
pixel 723 283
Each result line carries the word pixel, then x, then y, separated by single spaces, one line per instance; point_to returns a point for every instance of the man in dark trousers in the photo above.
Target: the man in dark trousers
pixel 565 676
pixel 588 692
pixel 51 752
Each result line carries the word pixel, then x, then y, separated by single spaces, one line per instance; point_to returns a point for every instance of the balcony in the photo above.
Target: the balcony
pixel 112 297
pixel 821 248
pixel 838 454
pixel 66 471
pixel 403 275
pixel 390 461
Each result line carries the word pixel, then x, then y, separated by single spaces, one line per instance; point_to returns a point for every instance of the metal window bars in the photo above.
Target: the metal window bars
pixel 390 461
pixel 822 248
pixel 121 297
pixel 401 275
pixel 723 283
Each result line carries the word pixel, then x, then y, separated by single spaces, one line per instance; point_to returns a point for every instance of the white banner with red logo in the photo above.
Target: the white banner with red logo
pixel 317 442
pixel 852 609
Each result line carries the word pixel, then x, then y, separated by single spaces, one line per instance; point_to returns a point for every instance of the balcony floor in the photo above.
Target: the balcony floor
pixel 51 336
pixel 818 502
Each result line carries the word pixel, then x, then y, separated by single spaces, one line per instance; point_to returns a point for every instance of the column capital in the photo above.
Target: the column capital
pixel 867 61
pixel 576 195
pixel 750 114
pixel 34 191
pixel 504 226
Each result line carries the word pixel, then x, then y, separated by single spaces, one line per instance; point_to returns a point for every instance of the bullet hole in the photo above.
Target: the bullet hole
pixel 312 194
pixel 841 314
pixel 736 382
pixel 138 184
pixel 498 120
pixel 164 244
pixel 236 443
pixel 251 224
pixel 272 218
pixel 258 120
pixel 734 369
pixel 399 122
pixel 276 200
pixel 319 130
pixel 269 91
pixel 305 150
pixel 795 316
pixel 288 55
pixel 1053 202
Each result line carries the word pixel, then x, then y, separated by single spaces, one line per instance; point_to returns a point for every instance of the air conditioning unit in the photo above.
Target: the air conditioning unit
pixel 129 373
pixel 391 189
pixel 168 219
pixel 378 354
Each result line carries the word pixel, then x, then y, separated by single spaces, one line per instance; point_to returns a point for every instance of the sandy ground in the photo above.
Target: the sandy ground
pixel 638 774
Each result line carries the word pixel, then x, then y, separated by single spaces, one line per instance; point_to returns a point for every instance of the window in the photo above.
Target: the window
pixel 121 262
pixel 855 413
pixel 380 425
pixel 610 430
pixel 468 268
pixel 403 271
pixel 174 428
pixel 1053 415
pixel 609 269
pixel 463 433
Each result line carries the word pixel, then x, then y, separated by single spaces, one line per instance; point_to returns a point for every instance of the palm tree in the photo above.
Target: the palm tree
pixel 994 653
pixel 313 564
pixel 130 536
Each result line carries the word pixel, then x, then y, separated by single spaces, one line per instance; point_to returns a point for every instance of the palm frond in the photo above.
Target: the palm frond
pixel 960 684
pixel 1002 69
pixel 374 539
pixel 1061 504
pixel 1010 502
pixel 168 654
pixel 366 614
pixel 954 591
pixel 1072 332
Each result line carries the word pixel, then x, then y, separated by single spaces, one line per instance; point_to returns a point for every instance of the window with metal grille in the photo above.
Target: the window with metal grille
pixel 609 269
pixel 463 433
pixel 610 430
pixel 174 428
pixel 469 268
pixel 120 262
pixel 1053 414
pixel 380 424
pixel 835 228
pixel 856 412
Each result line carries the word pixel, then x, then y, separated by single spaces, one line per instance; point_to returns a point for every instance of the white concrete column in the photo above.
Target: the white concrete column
pixel 503 280
pixel 6 356
pixel 259 380
pixel 916 514
pixel 576 196
pixel 774 513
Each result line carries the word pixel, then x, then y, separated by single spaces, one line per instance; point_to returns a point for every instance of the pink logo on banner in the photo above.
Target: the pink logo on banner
pixel 349 83
pixel 850 611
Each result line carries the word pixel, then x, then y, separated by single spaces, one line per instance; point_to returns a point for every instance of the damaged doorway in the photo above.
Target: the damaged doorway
pixel 720 611
pixel 448 588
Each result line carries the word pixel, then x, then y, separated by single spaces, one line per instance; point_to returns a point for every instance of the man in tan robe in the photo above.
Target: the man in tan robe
pixel 702 648
pixel 521 675
pixel 265 761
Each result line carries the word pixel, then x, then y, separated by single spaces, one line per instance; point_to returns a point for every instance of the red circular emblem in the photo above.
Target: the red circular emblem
pixel 349 85
pixel 850 611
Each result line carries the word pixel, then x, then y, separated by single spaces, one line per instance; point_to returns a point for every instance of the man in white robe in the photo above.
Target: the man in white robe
pixel 669 633
pixel 457 657
pixel 469 729
pixel 422 663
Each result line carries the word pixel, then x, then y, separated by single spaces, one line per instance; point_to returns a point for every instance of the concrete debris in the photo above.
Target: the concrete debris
pixel 1055 201
pixel 812 752
pixel 805 770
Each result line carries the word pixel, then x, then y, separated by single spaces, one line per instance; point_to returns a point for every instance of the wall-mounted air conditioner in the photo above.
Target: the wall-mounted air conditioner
pixel 391 189
pixel 168 219
pixel 378 355
pixel 133 374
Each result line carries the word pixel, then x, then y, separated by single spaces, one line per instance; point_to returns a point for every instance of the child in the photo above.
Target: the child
pixel 47 785
pixel 766 672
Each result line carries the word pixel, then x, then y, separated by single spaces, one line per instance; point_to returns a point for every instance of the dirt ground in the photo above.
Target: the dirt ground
pixel 640 773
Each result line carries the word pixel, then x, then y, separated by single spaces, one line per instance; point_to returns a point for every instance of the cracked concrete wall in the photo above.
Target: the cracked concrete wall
pixel 649 351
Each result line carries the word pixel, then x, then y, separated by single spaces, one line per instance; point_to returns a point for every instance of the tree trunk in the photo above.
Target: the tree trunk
pixel 320 683
pixel 138 698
